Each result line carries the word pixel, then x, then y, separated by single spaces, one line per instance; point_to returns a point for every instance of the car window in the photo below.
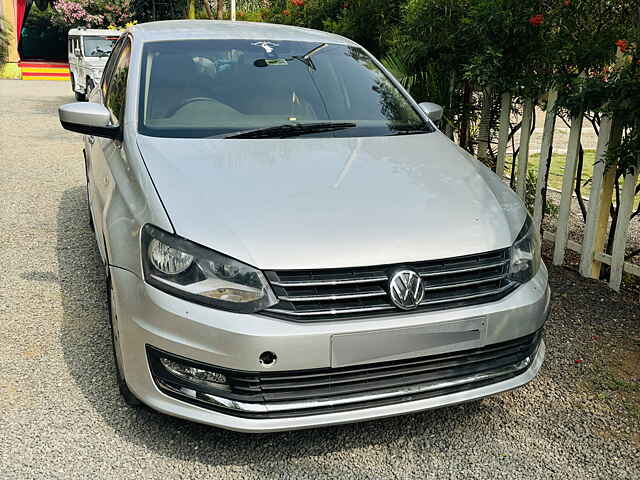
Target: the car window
pixel 201 88
pixel 98 46
pixel 108 68
pixel 116 88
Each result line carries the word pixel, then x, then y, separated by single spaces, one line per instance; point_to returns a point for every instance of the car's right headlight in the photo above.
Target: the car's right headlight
pixel 525 253
pixel 193 272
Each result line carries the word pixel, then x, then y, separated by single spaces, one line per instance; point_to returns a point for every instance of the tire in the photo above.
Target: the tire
pixel 88 88
pixel 128 396
pixel 80 97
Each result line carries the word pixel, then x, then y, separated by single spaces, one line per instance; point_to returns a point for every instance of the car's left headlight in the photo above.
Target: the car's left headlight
pixel 525 253
pixel 193 272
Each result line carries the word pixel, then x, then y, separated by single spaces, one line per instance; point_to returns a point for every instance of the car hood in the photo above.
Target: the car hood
pixel 332 202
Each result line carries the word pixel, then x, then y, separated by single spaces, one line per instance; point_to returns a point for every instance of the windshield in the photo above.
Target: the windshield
pixel 204 88
pixel 98 46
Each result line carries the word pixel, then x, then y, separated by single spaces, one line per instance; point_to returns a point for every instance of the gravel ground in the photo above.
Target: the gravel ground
pixel 62 418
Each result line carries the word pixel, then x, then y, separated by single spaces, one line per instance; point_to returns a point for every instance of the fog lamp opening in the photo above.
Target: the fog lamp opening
pixel 195 375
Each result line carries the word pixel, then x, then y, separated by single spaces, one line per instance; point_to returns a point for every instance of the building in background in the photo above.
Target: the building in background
pixel 36 47
pixel 14 13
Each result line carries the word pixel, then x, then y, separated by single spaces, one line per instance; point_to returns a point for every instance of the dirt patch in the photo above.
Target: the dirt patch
pixel 612 384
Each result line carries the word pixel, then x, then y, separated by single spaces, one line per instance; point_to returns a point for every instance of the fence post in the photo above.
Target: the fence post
pixel 547 141
pixel 568 179
pixel 503 133
pixel 523 153
pixel 602 184
pixel 622 225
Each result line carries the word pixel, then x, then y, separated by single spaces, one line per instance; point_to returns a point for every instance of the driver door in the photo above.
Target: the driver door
pixel 104 154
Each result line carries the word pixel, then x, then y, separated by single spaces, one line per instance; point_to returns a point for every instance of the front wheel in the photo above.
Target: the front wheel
pixel 89 88
pixel 80 97
pixel 128 396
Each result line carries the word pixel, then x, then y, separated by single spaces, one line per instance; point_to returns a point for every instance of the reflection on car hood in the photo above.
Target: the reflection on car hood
pixel 332 202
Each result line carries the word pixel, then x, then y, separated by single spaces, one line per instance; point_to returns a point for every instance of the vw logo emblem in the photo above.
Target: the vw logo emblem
pixel 406 289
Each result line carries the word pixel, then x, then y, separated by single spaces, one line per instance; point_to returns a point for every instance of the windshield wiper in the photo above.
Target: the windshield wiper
pixel 410 129
pixel 306 58
pixel 292 130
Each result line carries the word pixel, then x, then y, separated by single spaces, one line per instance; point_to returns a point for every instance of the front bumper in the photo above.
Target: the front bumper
pixel 147 316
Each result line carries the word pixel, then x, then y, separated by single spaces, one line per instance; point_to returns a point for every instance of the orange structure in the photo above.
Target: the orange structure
pixel 14 13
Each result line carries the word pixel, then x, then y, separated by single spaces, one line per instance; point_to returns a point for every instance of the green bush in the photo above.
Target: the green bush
pixel 42 37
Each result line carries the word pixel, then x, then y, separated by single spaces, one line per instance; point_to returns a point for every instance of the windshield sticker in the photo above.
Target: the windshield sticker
pixel 276 61
pixel 268 46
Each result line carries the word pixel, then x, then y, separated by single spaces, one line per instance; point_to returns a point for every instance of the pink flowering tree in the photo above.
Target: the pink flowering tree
pixel 92 13
pixel 74 14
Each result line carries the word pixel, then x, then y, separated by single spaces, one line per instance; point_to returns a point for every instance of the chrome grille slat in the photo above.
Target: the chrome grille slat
pixel 464 270
pixel 467 297
pixel 334 311
pixel 329 294
pixel 319 283
pixel 342 296
pixel 430 288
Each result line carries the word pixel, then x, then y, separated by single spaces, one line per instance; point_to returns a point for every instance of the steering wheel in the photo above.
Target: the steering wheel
pixel 187 101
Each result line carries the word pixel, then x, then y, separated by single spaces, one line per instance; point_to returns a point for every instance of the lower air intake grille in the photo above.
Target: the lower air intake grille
pixel 312 295
pixel 310 392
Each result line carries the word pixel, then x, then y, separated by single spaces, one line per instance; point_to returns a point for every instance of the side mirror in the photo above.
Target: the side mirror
pixel 88 118
pixel 77 52
pixel 433 110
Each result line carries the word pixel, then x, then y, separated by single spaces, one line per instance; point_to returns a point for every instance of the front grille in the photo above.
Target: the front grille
pixel 309 392
pixel 311 295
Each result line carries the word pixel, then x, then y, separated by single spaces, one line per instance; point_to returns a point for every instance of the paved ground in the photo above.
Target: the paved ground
pixel 61 417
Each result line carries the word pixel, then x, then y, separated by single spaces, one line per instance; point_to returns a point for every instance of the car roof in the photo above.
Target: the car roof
pixel 94 31
pixel 225 29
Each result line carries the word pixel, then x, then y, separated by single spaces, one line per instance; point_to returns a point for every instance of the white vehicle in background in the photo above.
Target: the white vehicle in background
pixel 89 50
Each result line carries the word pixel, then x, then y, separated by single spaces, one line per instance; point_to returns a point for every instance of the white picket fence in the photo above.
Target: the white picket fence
pixel 591 250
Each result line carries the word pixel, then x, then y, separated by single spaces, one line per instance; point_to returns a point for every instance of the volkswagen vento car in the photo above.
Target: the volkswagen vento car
pixel 288 239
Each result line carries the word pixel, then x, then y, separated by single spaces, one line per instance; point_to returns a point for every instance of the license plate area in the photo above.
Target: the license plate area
pixel 400 343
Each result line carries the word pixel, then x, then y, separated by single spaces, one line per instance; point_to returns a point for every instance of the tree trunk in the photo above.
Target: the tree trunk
pixel 464 140
pixel 613 210
pixel 207 8
pixel 546 184
pixel 191 9
pixel 485 126
pixel 220 9
pixel 452 88
pixel 578 188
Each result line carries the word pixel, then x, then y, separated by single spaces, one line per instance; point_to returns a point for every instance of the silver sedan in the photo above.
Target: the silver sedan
pixel 289 241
